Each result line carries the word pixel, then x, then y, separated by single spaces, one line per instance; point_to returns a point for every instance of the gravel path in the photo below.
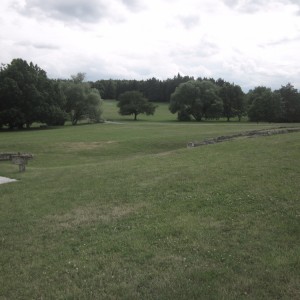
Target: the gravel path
pixel 6 180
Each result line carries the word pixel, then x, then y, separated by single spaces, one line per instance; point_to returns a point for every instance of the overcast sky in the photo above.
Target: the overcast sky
pixel 248 42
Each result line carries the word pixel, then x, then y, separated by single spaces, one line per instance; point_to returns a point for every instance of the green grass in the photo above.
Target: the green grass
pixel 126 211
pixel 162 113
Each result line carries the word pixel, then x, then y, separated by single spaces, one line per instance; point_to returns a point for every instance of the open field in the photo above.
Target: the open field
pixel 126 211
pixel 162 113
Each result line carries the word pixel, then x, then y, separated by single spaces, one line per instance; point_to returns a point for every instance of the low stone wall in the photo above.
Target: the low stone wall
pixel 249 134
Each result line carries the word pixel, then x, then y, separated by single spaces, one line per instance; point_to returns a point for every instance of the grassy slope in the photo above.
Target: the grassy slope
pixel 126 211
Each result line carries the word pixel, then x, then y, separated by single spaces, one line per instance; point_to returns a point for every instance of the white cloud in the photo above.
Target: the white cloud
pixel 247 42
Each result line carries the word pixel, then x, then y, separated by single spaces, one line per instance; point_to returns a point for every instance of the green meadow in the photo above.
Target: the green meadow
pixel 124 210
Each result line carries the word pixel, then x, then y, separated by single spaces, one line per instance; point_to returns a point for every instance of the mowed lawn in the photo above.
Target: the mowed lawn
pixel 162 113
pixel 126 211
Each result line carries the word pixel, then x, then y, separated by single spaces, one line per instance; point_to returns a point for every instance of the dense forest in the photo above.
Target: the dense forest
pixel 27 96
pixel 154 90
pixel 227 99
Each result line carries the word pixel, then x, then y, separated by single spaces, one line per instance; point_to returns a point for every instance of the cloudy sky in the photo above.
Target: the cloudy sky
pixel 248 42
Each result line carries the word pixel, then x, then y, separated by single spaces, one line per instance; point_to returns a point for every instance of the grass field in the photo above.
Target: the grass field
pixel 162 113
pixel 126 211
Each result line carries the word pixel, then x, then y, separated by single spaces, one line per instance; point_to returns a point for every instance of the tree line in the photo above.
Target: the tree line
pixel 27 96
pixel 207 98
pixel 282 105
pixel 153 89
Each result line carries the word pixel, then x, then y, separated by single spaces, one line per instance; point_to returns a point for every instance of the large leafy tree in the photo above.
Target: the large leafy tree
pixel 134 103
pixel 27 96
pixel 290 103
pixel 264 105
pixel 196 99
pixel 233 101
pixel 82 101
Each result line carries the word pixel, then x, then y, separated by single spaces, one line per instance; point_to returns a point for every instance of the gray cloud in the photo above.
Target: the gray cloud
pixel 283 41
pixel 40 46
pixel 294 2
pixel 252 6
pixel 205 48
pixel 80 11
pixel 189 21
pixel 249 6
pixel 46 46
pixel 67 10
pixel 133 5
pixel 201 60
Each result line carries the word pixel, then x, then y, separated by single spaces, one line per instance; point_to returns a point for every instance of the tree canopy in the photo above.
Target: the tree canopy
pixel 290 103
pixel 27 96
pixel 82 101
pixel 134 103
pixel 264 105
pixel 155 90
pixel 282 105
pixel 196 99
pixel 233 98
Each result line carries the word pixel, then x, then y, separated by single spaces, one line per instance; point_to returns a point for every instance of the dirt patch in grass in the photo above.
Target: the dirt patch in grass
pixel 166 153
pixel 75 146
pixel 91 214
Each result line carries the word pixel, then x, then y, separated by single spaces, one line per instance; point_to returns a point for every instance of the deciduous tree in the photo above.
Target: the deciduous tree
pixel 27 96
pixel 82 101
pixel 290 103
pixel 134 103
pixel 264 105
pixel 196 99
pixel 233 101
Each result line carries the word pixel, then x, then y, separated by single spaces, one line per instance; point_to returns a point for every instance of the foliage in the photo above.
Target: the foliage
pixel 233 101
pixel 82 101
pixel 27 96
pixel 282 105
pixel 290 103
pixel 198 99
pixel 155 90
pixel 264 105
pixel 134 103
pixel 106 88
